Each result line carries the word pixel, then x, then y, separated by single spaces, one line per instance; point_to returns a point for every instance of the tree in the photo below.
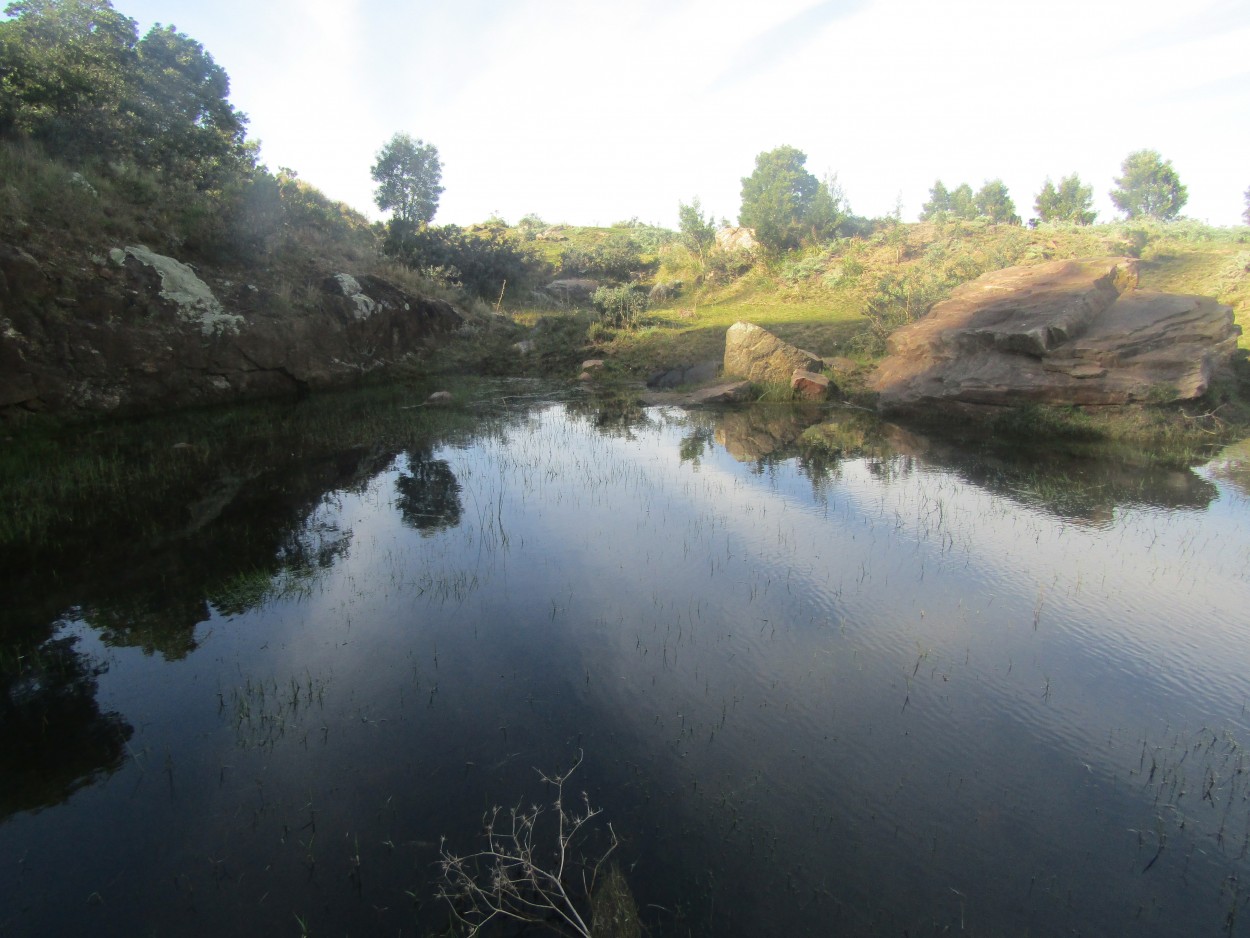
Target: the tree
pixel 698 233
pixel 939 204
pixel 1149 187
pixel 993 201
pixel 1070 202
pixel 1246 214
pixel 408 172
pixel 828 209
pixel 777 198
pixel 184 120
pixel 75 77
pixel 64 70
pixel 962 202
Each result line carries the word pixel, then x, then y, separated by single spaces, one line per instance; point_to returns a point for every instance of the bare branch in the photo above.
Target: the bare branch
pixel 506 880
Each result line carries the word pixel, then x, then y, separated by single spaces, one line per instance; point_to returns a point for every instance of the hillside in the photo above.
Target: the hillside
pixel 843 298
pixel 149 260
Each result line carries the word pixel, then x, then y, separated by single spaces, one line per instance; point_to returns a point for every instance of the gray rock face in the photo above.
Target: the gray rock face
pixel 698 373
pixel 736 239
pixel 573 290
pixel 1066 332
pixel 729 392
pixel 758 355
pixel 664 292
pixel 182 288
pixel 149 333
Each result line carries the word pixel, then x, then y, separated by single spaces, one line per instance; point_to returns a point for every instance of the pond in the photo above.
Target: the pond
pixel 823 675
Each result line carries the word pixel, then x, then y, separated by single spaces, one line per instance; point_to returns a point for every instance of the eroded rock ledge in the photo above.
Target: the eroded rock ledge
pixel 1066 332
pixel 136 331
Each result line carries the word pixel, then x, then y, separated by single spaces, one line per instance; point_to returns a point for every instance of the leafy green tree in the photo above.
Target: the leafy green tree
pixel 697 232
pixel 1069 202
pixel 939 204
pixel 1149 187
pixel 828 209
pixel 184 120
pixel 777 198
pixel 75 77
pixel 963 204
pixel 993 201
pixel 408 173
pixel 65 69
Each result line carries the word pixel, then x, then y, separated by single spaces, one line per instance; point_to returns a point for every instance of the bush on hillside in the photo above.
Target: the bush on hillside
pixel 621 307
pixel 617 258
pixel 481 263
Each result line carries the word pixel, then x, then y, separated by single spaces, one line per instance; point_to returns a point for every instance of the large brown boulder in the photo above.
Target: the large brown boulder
pixel 758 355
pixel 1066 332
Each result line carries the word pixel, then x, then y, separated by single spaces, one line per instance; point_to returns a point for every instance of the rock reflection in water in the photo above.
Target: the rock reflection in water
pixel 1085 488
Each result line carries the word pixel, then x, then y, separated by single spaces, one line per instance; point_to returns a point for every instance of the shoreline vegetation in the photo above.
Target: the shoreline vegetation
pixel 150 151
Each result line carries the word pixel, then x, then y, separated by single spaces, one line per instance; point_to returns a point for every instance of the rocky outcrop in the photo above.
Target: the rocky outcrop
pixel 182 289
pixel 758 355
pixel 573 289
pixel 1066 332
pixel 664 292
pixel 725 392
pixel 685 375
pixel 809 386
pixel 137 331
pixel 736 239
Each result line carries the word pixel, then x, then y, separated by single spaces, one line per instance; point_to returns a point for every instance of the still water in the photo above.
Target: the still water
pixel 881 686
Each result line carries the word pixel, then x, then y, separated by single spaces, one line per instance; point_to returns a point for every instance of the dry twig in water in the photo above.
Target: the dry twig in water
pixel 516 876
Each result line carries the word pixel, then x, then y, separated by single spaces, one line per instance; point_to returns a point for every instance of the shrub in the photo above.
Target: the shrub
pixel 480 262
pixel 616 258
pixel 622 306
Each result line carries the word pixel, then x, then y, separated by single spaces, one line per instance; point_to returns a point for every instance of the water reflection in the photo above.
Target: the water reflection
pixel 1085 488
pixel 429 495
pixel 1076 488
pixel 54 739
pixel 1232 466
pixel 827 674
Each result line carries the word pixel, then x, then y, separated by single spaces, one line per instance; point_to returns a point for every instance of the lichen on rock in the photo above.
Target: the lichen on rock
pixel 182 287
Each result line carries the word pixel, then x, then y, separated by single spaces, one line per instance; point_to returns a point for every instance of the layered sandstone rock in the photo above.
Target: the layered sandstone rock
pixel 1066 332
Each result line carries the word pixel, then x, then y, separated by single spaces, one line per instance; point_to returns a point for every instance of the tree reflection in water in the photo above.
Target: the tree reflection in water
pixel 429 495
pixel 53 738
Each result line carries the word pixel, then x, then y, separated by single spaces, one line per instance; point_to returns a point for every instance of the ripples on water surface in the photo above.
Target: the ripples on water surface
pixel 912 690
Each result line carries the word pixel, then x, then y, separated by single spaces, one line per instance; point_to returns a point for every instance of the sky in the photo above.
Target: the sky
pixel 590 112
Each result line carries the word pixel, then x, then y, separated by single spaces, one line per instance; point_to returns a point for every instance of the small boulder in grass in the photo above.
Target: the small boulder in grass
pixel 585 376
pixel 439 399
pixel 809 386
pixel 592 364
